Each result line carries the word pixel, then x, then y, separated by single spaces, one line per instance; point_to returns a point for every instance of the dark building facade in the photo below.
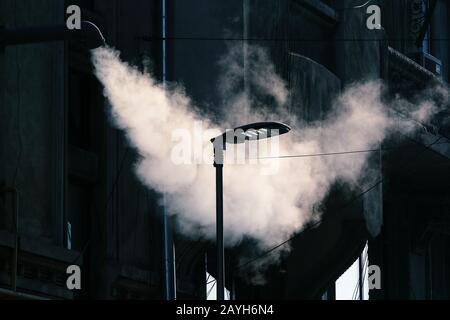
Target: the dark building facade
pixel 69 194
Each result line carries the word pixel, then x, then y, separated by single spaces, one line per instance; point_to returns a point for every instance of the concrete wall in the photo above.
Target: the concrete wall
pixel 125 234
pixel 32 153
pixel 32 135
pixel 412 248
pixel 115 220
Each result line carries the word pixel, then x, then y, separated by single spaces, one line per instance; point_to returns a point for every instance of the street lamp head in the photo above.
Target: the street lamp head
pixel 251 132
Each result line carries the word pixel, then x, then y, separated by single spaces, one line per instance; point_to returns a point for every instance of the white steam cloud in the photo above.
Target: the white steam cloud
pixel 267 208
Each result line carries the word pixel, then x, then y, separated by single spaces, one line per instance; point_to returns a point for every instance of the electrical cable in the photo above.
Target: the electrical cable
pixel 364 151
pixel 280 157
pixel 343 152
pixel 193 38
pixel 311 226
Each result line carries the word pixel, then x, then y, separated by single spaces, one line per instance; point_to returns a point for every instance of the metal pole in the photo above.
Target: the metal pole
pixel 169 246
pixel 218 164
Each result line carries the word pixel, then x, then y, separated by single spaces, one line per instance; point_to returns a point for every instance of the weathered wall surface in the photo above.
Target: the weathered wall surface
pixel 72 166
pixel 412 248
pixel 32 135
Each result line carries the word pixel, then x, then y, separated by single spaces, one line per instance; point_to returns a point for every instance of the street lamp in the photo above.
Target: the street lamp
pixel 249 132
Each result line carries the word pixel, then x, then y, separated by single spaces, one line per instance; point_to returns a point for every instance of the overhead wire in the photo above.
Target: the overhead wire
pixel 307 228
pixel 226 39
pixel 315 224
pixel 342 153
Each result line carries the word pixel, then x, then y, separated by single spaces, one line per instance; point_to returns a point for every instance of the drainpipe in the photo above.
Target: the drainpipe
pixel 169 246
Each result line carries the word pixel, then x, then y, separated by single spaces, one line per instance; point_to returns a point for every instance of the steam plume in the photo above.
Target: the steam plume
pixel 266 207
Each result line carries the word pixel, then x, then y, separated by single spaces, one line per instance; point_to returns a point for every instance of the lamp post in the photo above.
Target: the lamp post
pixel 254 131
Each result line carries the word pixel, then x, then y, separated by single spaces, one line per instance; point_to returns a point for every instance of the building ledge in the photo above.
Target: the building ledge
pixel 409 68
pixel 41 267
pixel 6 294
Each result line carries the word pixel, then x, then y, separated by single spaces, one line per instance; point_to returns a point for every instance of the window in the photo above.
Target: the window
pixel 211 293
pixel 348 284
